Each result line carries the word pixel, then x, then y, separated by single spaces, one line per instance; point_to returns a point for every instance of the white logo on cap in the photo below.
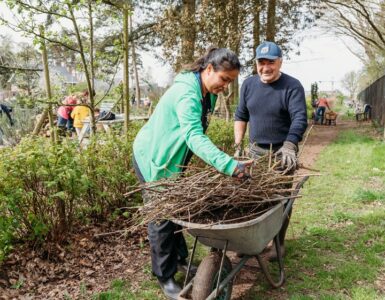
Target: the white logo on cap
pixel 265 50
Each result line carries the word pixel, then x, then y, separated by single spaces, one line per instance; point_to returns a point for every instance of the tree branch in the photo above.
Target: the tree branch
pixel 20 69
pixel 39 9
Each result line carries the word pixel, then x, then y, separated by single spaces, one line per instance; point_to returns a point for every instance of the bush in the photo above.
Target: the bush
pixel 221 133
pixel 44 188
pixel 41 186
pixel 106 162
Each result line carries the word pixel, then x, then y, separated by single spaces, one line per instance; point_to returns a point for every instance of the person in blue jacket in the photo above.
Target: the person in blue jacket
pixel 273 104
pixel 167 141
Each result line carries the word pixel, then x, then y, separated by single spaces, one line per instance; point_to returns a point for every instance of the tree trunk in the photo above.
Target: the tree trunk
pixel 48 110
pixel 257 7
pixel 270 27
pixel 40 122
pixel 92 68
pixel 135 67
pixel 234 89
pixel 188 32
pixel 256 24
pixel 86 71
pixel 234 37
pixel 126 99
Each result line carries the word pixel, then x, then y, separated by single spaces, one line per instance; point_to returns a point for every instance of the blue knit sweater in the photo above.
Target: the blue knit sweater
pixel 276 112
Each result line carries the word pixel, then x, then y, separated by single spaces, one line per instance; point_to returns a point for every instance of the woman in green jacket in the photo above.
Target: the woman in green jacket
pixel 174 132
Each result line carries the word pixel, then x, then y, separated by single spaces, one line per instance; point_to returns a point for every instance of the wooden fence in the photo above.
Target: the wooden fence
pixel 375 96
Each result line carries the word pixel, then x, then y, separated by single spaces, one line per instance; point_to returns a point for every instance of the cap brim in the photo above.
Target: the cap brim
pixel 270 57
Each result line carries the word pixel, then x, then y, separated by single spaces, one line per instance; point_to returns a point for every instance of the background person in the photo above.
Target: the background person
pixel 273 104
pixel 367 112
pixel 174 132
pixel 7 110
pixel 64 119
pixel 322 104
pixel 79 113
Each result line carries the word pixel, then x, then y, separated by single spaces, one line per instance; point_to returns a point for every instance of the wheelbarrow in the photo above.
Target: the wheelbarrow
pixel 215 274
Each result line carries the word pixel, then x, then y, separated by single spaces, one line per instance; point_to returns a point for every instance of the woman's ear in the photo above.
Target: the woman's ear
pixel 209 68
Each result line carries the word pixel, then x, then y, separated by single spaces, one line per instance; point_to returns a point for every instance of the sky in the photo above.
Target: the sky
pixel 324 59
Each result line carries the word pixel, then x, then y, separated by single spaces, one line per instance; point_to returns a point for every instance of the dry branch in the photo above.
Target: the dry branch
pixel 202 195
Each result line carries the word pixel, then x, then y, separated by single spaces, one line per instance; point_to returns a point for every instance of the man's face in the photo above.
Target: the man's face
pixel 217 81
pixel 269 70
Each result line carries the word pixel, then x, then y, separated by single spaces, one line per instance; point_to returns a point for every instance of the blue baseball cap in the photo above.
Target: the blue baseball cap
pixel 268 50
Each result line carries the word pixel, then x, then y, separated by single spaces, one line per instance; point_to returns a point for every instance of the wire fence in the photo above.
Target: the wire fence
pixel 375 96
pixel 24 120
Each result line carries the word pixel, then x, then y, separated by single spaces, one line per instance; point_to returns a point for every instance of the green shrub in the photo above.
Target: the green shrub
pixel 309 108
pixel 221 133
pixel 44 188
pixel 106 163
pixel 41 186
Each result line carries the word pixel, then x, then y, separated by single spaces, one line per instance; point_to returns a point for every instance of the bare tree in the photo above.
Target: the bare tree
pixel 350 83
pixel 362 21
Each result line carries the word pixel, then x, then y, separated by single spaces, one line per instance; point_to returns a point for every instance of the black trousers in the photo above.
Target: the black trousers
pixel 167 247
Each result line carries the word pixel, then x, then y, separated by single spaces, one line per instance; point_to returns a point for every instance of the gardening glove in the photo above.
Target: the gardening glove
pixel 288 155
pixel 241 170
pixel 238 150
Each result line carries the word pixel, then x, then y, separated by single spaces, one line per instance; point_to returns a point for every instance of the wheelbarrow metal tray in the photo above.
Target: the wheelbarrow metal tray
pixel 249 237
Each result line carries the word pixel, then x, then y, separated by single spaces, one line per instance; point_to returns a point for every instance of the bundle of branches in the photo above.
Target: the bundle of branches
pixel 205 196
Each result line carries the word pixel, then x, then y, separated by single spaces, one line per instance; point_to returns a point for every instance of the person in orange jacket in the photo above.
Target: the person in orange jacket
pixel 322 104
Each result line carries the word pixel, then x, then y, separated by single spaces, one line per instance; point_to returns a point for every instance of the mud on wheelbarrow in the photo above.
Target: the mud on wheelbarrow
pixel 248 238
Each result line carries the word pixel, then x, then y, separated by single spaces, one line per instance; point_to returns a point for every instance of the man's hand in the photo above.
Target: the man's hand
pixel 238 150
pixel 288 155
pixel 242 170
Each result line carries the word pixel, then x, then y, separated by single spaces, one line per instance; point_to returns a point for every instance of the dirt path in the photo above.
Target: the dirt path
pixel 88 265
pixel 318 138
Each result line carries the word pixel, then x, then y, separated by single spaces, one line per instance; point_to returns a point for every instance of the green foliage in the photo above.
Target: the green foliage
pixel 44 188
pixel 41 184
pixel 309 107
pixel 106 163
pixel 77 88
pixel 314 92
pixel 25 101
pixel 221 133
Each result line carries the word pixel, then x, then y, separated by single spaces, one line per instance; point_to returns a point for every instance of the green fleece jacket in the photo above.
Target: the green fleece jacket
pixel 161 146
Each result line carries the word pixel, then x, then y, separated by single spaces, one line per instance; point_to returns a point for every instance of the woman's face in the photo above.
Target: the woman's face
pixel 216 82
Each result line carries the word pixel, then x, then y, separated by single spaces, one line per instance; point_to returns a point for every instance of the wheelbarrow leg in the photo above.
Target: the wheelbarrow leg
pixel 221 267
pixel 190 262
pixel 264 265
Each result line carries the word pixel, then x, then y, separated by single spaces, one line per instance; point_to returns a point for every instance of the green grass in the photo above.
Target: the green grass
pixel 336 242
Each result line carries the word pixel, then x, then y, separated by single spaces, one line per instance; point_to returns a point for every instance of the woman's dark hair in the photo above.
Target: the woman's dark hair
pixel 221 59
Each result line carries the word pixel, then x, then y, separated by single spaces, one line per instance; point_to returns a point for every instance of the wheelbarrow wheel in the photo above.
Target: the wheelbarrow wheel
pixel 206 278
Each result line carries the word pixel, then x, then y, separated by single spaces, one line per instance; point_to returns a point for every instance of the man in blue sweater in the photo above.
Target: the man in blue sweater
pixel 273 103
